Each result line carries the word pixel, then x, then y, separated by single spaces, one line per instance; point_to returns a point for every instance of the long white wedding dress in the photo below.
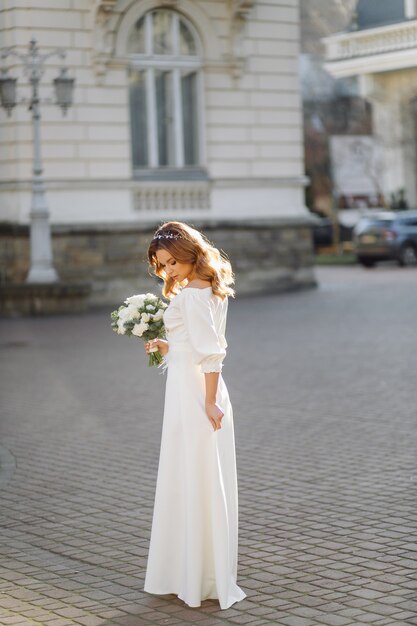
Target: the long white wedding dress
pixel 194 537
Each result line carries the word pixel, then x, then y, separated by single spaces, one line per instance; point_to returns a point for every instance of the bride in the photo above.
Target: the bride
pixel 194 537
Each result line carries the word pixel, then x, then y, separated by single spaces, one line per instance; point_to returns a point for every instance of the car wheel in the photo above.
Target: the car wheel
pixel 365 262
pixel 408 255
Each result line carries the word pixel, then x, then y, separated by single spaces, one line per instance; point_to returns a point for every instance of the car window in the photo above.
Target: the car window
pixel 378 223
pixel 411 221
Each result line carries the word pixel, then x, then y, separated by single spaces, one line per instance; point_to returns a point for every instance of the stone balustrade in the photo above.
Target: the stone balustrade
pixel 381 40
pixel 163 196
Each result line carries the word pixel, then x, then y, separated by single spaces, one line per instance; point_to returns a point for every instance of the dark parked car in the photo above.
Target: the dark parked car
pixel 323 232
pixel 386 235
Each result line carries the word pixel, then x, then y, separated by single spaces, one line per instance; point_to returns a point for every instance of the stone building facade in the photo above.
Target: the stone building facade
pixel 183 109
pixel 379 49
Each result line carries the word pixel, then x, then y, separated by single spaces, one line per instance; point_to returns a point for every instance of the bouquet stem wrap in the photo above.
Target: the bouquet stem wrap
pixel 155 357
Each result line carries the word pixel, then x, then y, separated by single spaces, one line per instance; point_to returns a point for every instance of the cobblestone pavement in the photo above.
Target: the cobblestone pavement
pixel 323 385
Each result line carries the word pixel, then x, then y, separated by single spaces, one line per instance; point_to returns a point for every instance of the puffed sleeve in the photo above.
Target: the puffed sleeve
pixel 209 348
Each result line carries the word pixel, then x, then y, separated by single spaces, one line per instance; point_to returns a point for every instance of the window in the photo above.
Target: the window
pixel 379 12
pixel 408 221
pixel 165 88
pixel 410 9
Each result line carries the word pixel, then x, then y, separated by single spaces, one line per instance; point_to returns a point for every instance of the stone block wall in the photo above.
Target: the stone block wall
pixel 267 256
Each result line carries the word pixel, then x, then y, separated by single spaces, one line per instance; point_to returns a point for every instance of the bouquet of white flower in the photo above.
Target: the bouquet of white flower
pixel 141 316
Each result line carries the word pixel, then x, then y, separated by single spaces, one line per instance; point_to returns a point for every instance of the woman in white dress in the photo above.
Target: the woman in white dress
pixel 194 537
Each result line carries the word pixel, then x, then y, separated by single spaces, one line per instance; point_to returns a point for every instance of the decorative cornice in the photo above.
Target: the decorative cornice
pixel 242 8
pixel 239 13
pixel 103 42
pixel 105 5
pixel 82 184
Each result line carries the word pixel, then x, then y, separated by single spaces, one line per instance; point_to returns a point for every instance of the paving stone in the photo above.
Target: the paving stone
pixel 396 623
pixel 368 593
pixel 334 620
pixel 370 618
pixel 404 615
pixel 325 453
pixel 294 620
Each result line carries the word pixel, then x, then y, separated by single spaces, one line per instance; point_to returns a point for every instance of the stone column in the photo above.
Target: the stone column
pixel 394 129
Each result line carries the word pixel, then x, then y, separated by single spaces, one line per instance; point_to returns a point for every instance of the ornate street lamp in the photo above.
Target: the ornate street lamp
pixel 41 267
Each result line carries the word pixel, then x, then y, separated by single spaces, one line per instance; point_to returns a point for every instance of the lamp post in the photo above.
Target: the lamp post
pixel 41 263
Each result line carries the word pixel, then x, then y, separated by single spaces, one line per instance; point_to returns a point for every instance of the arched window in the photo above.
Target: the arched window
pixel 165 93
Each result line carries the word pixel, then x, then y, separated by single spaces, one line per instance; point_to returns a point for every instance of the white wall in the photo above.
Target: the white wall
pixel 394 126
pixel 91 141
pixel 253 123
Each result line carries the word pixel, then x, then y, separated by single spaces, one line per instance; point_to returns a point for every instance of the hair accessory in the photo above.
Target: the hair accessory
pixel 167 235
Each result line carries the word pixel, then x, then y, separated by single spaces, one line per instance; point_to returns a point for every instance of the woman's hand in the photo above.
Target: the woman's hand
pixel 215 414
pixel 162 344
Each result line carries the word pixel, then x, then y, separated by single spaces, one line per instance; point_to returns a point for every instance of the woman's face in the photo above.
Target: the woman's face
pixel 174 269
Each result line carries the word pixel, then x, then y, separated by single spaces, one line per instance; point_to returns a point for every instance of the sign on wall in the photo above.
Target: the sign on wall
pixel 357 169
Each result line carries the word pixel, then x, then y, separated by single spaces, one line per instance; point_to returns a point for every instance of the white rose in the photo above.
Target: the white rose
pixel 151 296
pixel 132 312
pixel 139 329
pixel 137 300
pixel 123 313
pixel 145 317
pixel 121 330
pixel 150 307
pixel 158 315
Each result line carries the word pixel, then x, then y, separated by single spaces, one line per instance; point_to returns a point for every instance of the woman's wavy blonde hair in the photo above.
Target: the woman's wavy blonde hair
pixel 188 245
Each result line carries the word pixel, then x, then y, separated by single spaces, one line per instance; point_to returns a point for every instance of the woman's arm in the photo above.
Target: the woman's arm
pixel 213 410
pixel 207 348
pixel 212 380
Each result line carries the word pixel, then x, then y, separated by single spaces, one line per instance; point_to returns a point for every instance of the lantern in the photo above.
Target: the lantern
pixel 64 86
pixel 7 92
